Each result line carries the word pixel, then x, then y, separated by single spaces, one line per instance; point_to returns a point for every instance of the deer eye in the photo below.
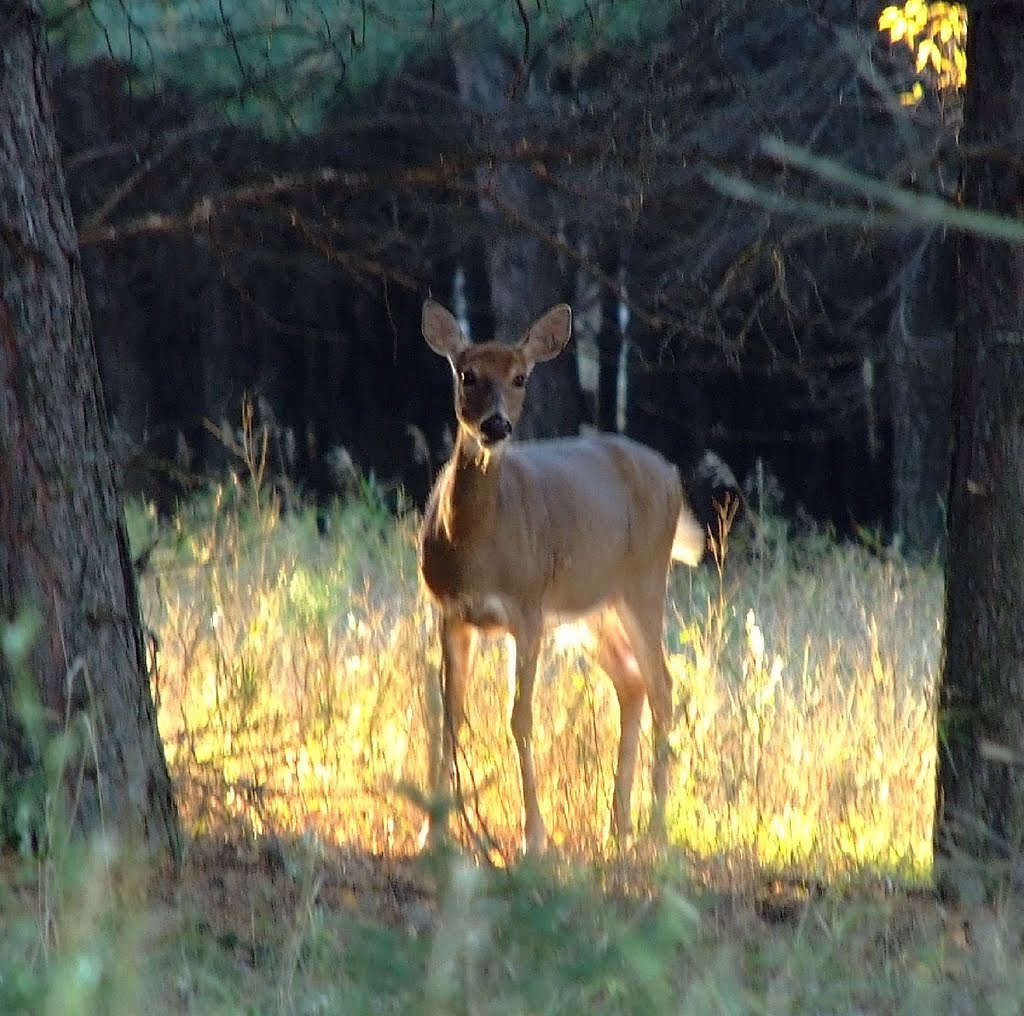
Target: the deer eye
pixel 519 380
pixel 468 378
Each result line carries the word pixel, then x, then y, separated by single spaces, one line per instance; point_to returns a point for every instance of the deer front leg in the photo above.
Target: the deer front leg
pixel 527 649
pixel 458 647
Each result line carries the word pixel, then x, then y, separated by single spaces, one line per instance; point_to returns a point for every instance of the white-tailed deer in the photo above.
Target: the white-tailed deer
pixel 518 537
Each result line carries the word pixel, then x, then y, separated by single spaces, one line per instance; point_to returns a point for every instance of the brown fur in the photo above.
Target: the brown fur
pixel 517 537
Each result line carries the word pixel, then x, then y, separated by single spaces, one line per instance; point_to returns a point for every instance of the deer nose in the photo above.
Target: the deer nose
pixel 496 428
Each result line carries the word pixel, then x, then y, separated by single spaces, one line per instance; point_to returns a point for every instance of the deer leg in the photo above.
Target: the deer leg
pixel 616 658
pixel 527 651
pixel 458 648
pixel 642 617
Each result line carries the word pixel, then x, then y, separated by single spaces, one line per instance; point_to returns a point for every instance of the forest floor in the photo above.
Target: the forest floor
pixel 267 927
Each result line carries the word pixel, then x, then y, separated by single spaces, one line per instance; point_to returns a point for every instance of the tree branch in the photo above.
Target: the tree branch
pixel 913 208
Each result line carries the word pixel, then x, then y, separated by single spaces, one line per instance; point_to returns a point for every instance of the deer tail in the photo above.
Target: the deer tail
pixel 690 540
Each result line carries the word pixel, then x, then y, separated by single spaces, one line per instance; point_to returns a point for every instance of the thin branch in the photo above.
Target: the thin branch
pixel 775 201
pixel 203 211
pixel 172 141
pixel 453 175
pixel 521 72
pixel 913 207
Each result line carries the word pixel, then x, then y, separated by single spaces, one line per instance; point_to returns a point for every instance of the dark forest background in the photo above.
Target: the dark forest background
pixel 266 192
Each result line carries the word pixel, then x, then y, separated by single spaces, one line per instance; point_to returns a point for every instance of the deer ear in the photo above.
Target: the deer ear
pixel 441 330
pixel 548 335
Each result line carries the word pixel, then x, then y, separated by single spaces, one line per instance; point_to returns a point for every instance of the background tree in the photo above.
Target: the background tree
pixel 266 192
pixel 980 810
pixel 64 555
pixel 522 267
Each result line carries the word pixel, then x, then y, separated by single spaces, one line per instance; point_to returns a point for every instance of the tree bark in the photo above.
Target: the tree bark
pixel 980 800
pixel 64 554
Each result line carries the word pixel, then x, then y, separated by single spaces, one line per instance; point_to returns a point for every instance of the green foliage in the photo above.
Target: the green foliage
pixel 39 750
pixel 529 940
pixel 68 954
pixel 236 937
pixel 280 63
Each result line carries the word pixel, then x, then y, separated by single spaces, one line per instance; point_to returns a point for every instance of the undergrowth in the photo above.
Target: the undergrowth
pixel 293 677
pixel 296 675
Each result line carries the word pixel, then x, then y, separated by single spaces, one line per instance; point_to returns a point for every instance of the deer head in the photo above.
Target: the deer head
pixel 490 377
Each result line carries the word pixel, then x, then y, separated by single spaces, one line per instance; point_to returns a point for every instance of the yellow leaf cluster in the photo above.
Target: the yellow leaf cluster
pixel 936 34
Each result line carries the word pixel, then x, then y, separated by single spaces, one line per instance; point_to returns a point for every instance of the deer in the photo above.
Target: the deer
pixel 519 537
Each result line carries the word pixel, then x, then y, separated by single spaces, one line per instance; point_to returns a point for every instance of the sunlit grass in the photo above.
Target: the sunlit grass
pixel 294 673
pixel 291 673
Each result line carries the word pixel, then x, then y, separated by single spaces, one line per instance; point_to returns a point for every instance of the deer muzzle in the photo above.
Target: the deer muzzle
pixel 495 428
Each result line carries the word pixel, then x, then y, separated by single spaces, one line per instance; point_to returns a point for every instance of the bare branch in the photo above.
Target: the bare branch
pixel 206 208
pixel 774 200
pixel 921 209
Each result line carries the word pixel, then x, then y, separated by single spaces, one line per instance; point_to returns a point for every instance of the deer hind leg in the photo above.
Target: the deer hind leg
pixel 458 650
pixel 643 618
pixel 616 658
pixel 527 650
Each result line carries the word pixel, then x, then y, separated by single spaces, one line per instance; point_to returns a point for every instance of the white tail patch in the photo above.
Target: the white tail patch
pixel 690 540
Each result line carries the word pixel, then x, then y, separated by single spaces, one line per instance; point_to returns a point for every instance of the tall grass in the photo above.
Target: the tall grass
pixel 293 675
pixel 295 678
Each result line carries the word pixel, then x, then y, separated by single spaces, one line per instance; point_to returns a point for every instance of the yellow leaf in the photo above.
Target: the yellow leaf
pixel 913 97
pixel 916 15
pixel 960 61
pixel 897 29
pixel 887 18
pixel 924 52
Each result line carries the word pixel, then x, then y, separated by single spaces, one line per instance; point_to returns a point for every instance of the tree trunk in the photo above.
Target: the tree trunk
pixel 63 550
pixel 921 373
pixel 980 801
pixel 522 265
pixel 213 342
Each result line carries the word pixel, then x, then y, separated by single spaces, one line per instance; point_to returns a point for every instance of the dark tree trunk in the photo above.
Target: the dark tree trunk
pixel 921 375
pixel 522 266
pixel 980 801
pixel 63 550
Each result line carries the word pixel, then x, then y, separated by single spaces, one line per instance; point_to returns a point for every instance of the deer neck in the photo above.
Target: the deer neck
pixel 470 496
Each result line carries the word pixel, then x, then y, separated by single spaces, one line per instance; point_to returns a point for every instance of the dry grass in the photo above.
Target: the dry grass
pixel 294 679
pixel 291 676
